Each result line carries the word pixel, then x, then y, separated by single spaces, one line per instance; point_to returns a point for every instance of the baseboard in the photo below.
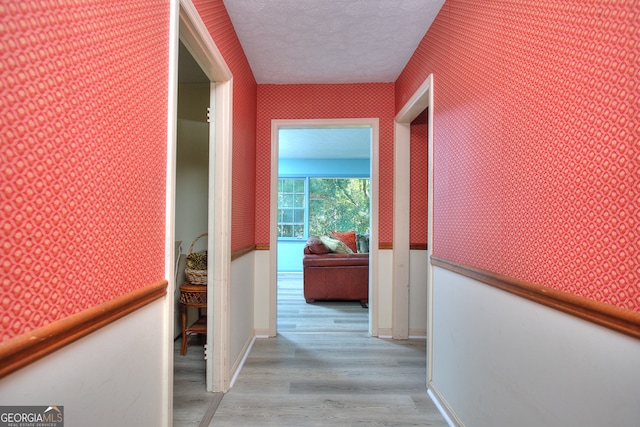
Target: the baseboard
pixel 386 333
pixel 445 410
pixel 262 333
pixel 417 333
pixel 237 367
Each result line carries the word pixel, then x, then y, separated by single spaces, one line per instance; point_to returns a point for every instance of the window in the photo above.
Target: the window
pixel 340 204
pixel 291 207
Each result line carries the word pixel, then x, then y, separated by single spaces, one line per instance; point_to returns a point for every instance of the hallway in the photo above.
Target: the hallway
pixel 322 369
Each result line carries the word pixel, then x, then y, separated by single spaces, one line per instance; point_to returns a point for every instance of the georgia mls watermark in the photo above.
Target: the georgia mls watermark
pixel 31 416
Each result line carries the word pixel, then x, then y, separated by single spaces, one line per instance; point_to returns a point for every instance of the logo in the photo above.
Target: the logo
pixel 31 416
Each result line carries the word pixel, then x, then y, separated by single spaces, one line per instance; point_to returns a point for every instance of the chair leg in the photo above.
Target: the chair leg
pixel 183 350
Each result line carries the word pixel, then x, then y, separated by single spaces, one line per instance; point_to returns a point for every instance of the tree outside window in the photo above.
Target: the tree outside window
pixel 340 204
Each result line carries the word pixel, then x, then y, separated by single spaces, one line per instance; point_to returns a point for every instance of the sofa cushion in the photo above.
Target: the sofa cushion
pixel 348 238
pixel 336 245
pixel 315 246
pixel 335 260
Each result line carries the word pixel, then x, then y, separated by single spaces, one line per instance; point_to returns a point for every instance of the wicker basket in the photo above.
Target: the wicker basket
pixel 196 277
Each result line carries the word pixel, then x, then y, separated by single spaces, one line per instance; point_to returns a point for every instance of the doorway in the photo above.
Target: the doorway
pixel 192 169
pixel 421 100
pixel 190 31
pixel 371 125
pixel 323 185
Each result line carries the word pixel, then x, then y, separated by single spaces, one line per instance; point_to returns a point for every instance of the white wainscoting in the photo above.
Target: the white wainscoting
pixel 385 293
pixel 262 293
pixel 418 260
pixel 501 360
pixel 241 306
pixel 417 294
pixel 116 376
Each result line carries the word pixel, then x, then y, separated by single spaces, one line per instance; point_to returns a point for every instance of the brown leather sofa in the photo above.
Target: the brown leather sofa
pixel 336 276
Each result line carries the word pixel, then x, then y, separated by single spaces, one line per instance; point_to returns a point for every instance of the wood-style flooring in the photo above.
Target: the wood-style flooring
pixel 295 315
pixel 322 369
pixel 192 404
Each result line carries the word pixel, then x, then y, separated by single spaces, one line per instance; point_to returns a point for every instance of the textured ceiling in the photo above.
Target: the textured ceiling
pixel 330 41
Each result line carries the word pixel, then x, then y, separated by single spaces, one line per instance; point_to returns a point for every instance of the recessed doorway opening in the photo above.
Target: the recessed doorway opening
pixel 344 152
pixel 323 186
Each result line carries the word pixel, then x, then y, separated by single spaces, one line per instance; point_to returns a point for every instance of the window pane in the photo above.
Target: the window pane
pixel 299 216
pixel 287 216
pixel 287 231
pixel 299 186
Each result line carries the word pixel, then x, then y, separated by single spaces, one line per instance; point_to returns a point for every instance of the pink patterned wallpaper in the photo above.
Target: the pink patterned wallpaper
pixel 217 20
pixel 418 192
pixel 83 112
pixel 536 130
pixel 319 102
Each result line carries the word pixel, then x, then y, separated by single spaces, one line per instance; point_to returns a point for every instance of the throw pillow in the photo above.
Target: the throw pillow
pixel 348 238
pixel 315 246
pixel 336 245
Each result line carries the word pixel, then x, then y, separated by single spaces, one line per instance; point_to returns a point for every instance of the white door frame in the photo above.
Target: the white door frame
pixel 421 99
pixel 374 124
pixel 188 27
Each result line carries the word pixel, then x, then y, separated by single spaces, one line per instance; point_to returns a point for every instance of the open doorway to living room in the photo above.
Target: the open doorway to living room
pixel 323 228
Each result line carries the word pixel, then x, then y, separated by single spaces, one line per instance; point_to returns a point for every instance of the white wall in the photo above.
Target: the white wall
pixel 501 360
pixel 192 164
pixel 241 314
pixel 115 376
pixel 418 293
pixel 261 293
pixel 385 293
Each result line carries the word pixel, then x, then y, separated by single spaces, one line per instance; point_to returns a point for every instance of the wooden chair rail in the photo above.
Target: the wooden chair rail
pixel 34 345
pixel 243 251
pixel 612 317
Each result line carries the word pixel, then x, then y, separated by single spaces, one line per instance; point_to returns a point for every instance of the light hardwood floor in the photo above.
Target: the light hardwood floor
pixel 192 405
pixel 322 369
pixel 295 315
